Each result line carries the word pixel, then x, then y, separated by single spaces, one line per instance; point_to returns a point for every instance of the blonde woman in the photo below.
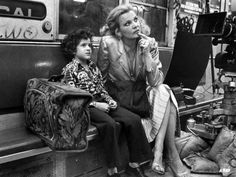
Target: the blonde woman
pixel 129 61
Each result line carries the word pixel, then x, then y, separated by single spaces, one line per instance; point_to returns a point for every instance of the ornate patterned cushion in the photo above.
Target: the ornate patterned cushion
pixel 58 114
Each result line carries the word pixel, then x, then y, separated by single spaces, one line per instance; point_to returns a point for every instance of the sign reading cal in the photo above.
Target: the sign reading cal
pixel 22 9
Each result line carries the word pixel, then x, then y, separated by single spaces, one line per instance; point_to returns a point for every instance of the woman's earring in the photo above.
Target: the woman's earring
pixel 118 34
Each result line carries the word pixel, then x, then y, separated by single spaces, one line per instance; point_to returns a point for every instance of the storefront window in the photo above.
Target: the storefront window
pixel 75 14
pixel 215 6
pixel 156 2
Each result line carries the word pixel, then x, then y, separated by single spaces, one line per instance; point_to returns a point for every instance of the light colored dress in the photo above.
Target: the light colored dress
pixel 114 63
pixel 158 98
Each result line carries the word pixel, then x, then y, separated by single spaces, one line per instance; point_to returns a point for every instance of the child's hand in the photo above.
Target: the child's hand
pixel 112 104
pixel 102 106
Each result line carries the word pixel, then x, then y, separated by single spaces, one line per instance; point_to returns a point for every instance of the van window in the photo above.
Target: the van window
pixel 155 13
pixel 74 14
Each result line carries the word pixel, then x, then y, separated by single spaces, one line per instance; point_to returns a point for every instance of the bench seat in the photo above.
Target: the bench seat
pixel 17 140
pixel 17 143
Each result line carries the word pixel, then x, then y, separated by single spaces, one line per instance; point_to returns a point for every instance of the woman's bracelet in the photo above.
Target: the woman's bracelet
pixel 93 104
pixel 149 70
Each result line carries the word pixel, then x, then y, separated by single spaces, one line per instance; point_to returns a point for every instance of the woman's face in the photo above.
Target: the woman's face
pixel 129 25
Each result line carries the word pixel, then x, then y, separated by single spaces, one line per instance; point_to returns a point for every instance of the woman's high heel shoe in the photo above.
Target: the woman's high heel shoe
pixel 158 168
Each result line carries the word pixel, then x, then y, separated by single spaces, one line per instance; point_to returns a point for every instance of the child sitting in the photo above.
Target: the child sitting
pixel 82 72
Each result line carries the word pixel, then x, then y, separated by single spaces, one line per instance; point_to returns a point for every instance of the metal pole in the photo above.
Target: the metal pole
pixel 211 54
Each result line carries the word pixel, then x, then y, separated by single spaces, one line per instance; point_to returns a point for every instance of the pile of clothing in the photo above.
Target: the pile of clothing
pixel 205 157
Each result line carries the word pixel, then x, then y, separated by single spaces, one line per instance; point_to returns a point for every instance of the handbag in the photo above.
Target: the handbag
pixel 58 114
pixel 130 95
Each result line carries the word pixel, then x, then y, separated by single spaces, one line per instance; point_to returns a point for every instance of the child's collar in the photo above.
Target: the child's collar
pixel 77 61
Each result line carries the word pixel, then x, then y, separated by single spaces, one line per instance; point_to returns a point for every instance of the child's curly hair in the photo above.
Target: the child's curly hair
pixel 71 41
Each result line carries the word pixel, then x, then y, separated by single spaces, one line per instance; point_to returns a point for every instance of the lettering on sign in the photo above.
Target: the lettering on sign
pixel 22 9
pixel 17 12
pixel 18 31
pixel 191 7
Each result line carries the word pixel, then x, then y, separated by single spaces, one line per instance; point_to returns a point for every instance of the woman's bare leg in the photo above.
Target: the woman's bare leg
pixel 172 153
pixel 159 142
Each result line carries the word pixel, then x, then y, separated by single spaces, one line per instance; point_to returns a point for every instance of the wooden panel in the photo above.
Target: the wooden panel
pixel 38 166
pixel 20 62
pixel 10 121
pixel 18 140
pixel 89 163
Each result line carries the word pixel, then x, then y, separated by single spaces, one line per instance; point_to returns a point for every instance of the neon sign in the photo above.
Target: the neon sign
pixel 192 6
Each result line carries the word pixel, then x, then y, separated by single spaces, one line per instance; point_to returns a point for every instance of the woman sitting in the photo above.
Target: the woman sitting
pixel 129 61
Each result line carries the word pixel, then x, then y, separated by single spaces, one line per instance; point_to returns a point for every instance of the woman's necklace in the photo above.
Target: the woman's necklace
pixel 130 49
pixel 132 61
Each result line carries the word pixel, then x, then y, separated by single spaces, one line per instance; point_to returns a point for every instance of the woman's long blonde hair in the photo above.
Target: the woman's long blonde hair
pixel 112 21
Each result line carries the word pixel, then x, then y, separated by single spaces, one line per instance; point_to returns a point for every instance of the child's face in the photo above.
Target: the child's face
pixel 84 50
